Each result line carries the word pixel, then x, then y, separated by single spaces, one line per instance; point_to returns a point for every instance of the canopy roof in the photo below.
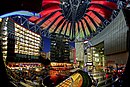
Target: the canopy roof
pixel 74 18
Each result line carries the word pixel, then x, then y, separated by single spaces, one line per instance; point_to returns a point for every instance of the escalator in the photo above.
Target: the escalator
pixel 78 79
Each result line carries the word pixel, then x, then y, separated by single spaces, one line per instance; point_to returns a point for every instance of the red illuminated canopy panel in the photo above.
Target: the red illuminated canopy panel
pixel 81 29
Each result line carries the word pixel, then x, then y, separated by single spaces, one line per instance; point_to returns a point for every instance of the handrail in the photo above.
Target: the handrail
pixel 13 84
pixel 102 81
pixel 24 84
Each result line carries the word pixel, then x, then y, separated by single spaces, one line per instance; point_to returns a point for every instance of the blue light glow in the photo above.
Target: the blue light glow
pixel 20 13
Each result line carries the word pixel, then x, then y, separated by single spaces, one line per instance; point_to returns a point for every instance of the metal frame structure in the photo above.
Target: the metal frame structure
pixel 23 21
pixel 73 13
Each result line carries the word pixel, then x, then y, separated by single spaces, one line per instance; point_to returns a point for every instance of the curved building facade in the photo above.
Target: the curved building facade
pixel 114 40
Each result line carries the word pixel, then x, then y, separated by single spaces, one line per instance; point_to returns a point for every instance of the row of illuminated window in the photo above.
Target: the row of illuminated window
pixel 18 27
pixel 27 36
pixel 4 43
pixel 26 32
pixel 4 48
pixel 28 43
pixel 5 38
pixel 27 52
pixel 4 52
pixel 4 32
pixel 26 39
pixel 26 47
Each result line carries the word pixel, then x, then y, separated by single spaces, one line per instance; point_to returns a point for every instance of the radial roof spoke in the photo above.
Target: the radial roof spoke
pixel 80 18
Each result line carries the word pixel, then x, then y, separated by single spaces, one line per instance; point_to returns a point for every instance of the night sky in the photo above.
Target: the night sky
pixel 15 5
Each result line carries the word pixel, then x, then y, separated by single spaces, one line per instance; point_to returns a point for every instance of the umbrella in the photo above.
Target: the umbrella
pixel 74 18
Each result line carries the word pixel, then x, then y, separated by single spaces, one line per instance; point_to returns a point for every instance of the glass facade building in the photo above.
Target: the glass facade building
pixel 115 39
pixel 19 43
pixel 60 48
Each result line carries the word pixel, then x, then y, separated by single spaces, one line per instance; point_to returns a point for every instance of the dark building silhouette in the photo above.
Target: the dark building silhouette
pixel 60 49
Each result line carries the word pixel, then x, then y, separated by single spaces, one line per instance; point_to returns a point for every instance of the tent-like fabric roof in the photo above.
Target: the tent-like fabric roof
pixel 74 18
